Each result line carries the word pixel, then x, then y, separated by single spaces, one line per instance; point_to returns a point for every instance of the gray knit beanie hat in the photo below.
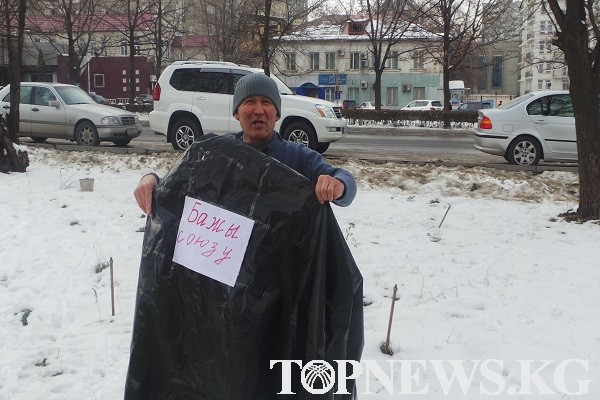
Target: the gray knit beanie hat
pixel 256 85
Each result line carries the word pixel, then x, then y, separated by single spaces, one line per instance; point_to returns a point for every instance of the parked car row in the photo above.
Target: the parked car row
pixel 57 110
pixel 423 105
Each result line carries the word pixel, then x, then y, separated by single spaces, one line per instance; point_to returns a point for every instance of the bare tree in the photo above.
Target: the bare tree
pixel 578 36
pixel 133 20
pixel 169 15
pixel 461 28
pixel 387 23
pixel 72 25
pixel 223 26
pixel 11 158
pixel 251 31
pixel 272 22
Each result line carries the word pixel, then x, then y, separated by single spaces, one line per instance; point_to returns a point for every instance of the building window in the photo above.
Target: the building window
pixel 355 60
pixel 124 47
pixel 544 84
pixel 565 84
pixel 290 61
pixel 482 76
pixel 544 68
pixel 394 60
pixel 418 60
pixel 497 72
pixel 136 47
pixel 355 28
pixel 98 80
pixel 353 93
pixel 392 96
pixel 314 61
pixel 545 46
pixel 330 60
pixel 546 27
pixel 418 93
pixel 330 94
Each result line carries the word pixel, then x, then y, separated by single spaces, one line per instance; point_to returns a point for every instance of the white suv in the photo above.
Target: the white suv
pixel 194 97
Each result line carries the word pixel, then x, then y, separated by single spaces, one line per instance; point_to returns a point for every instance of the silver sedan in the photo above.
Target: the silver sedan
pixel 56 110
pixel 535 126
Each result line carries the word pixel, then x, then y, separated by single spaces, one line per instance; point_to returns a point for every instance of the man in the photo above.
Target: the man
pixel 257 106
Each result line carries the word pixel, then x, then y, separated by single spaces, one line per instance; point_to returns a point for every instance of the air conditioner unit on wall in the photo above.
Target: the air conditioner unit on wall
pixel 338 88
pixel 363 56
pixel 407 87
pixel 364 84
pixel 364 63
pixel 340 53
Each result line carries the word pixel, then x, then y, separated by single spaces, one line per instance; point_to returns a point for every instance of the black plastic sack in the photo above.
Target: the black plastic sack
pixel 298 295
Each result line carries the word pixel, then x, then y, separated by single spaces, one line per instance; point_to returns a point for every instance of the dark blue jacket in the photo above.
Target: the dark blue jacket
pixel 307 162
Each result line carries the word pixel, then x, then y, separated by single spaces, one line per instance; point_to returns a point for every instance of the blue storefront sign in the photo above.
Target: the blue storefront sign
pixel 332 79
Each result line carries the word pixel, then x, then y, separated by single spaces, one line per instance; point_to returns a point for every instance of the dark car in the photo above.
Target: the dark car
pixel 474 106
pixel 143 99
pixel 97 98
pixel 348 104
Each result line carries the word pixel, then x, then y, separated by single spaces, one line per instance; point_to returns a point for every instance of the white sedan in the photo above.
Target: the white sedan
pixel 423 105
pixel 367 105
pixel 538 125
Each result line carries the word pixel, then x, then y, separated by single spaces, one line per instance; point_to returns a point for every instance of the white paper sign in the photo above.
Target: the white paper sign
pixel 212 241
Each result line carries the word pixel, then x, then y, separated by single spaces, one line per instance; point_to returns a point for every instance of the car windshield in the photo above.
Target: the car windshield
pixel 73 95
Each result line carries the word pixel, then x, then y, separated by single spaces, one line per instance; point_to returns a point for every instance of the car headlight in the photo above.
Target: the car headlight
pixel 110 121
pixel 325 111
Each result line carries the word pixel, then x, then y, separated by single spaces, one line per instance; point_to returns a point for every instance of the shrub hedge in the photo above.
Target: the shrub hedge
pixel 430 119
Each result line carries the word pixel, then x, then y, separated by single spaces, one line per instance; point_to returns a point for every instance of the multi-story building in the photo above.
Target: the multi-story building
pixel 497 64
pixel 333 61
pixel 542 64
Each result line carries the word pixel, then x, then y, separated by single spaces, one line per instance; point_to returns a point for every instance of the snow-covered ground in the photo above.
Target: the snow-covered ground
pixel 501 279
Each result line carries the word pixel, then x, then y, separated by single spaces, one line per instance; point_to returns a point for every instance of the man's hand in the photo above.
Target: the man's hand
pixel 328 188
pixel 143 193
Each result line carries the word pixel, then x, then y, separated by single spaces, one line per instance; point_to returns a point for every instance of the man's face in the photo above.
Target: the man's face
pixel 257 116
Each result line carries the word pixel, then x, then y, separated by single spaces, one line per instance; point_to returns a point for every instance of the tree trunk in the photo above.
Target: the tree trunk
pixel 11 158
pixel 584 76
pixel 377 88
pixel 587 123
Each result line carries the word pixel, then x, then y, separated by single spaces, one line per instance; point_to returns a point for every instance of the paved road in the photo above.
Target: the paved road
pixel 372 144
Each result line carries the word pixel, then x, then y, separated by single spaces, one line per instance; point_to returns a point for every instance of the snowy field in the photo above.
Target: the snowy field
pixel 501 282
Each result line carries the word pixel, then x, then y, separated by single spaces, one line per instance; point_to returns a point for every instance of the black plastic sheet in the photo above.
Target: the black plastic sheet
pixel 298 294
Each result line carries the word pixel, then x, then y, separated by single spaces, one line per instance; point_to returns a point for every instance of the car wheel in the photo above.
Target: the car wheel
pixel 121 142
pixel 184 133
pixel 323 146
pixel 301 132
pixel 38 139
pixel 86 134
pixel 524 150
